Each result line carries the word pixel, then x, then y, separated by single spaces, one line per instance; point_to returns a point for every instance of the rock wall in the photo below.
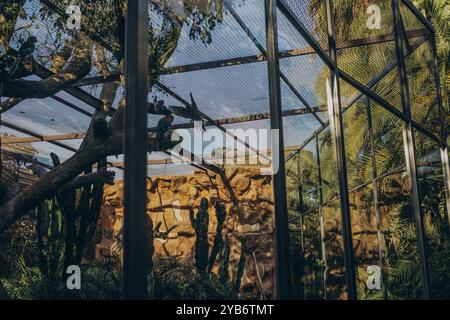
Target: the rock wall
pixel 171 198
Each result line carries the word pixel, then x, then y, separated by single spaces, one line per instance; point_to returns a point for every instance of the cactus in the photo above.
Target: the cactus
pixel 218 240
pixel 43 265
pixel 49 233
pixel 224 262
pixel 67 199
pixel 205 265
pixel 66 223
pixel 150 245
pixel 233 284
pixel 97 198
pixel 200 225
pixel 88 210
pixel 240 269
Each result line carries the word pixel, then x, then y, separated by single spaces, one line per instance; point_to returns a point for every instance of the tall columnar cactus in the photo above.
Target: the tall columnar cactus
pixel 200 225
pixel 49 232
pixel 221 214
pixel 233 285
pixel 89 210
pixel 66 223
pixel 240 268
pixel 224 262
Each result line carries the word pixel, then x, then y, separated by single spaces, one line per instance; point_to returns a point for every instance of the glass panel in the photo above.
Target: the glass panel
pixel 435 215
pixel 294 192
pixel 297 257
pixel 375 66
pixel 312 88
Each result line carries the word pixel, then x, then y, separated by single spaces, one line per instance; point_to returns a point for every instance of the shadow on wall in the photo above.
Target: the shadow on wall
pixel 173 199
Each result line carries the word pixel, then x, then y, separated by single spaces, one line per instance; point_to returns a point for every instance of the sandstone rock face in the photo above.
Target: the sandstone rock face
pixel 172 197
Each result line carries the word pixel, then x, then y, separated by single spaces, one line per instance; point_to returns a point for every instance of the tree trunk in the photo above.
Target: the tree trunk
pixel 54 180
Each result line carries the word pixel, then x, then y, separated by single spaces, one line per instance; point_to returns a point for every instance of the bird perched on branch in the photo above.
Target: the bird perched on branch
pixel 163 130
pixel 158 107
pixel 189 112
pixel 25 50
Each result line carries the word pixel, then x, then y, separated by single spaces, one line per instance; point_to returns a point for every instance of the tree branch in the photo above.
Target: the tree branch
pixel 78 68
pixel 54 180
pixel 106 177
pixel 93 147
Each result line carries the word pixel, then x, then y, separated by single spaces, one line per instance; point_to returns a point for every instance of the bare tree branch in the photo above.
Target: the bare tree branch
pixel 79 67
pixel 92 178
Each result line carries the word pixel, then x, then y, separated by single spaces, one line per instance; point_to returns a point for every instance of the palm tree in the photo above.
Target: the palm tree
pixel 363 63
pixel 438 13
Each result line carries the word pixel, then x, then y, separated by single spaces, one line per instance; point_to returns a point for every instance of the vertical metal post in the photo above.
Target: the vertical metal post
pixel 341 162
pixel 282 262
pixel 299 184
pixel 300 199
pixel 135 250
pixel 322 222
pixel 376 197
pixel 446 172
pixel 437 83
pixel 444 149
pixel 300 221
pixel 409 145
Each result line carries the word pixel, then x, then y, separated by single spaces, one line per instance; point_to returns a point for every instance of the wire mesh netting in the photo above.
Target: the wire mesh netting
pixel 214 73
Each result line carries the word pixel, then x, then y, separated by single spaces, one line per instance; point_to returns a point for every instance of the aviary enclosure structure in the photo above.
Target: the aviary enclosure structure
pixel 359 208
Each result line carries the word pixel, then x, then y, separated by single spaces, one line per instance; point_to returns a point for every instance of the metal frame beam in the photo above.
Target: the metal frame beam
pixel 370 85
pixel 42 138
pixel 410 149
pixel 253 58
pixel 136 249
pixel 416 12
pixel 35 135
pixel 283 281
pixel 376 196
pixel 364 89
pixel 338 128
pixel 261 48
pixel 204 117
pixel 321 216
